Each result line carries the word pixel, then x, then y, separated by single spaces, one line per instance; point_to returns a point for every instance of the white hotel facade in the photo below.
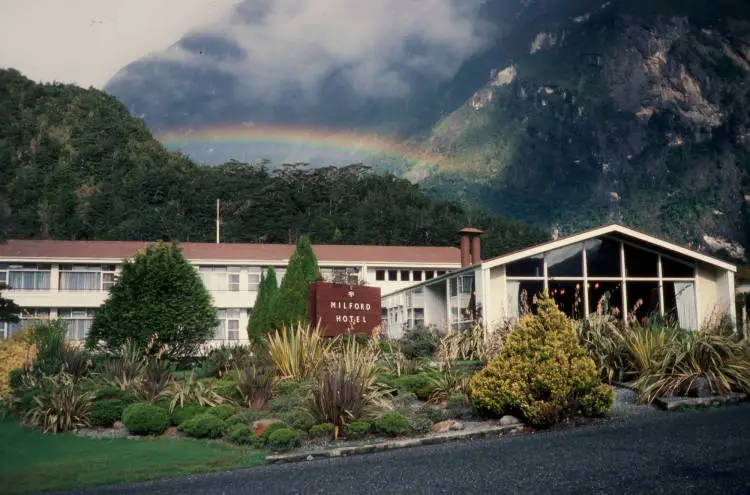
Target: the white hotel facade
pixel 71 279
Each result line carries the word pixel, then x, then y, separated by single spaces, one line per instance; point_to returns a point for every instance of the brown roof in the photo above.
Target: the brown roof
pixel 20 249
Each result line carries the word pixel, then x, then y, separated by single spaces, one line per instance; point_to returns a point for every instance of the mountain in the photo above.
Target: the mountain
pixel 564 113
pixel 76 165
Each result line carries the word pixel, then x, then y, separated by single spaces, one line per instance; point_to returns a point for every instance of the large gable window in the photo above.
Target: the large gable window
pixel 565 262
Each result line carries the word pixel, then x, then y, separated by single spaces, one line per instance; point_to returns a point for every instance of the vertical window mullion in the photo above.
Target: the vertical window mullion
pixel 661 285
pixel 623 275
pixel 585 283
pixel 546 274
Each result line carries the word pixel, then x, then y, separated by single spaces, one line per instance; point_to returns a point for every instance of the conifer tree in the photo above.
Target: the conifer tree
pixel 260 319
pixel 290 306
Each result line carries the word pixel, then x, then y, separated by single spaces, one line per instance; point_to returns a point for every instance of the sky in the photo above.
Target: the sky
pixel 87 41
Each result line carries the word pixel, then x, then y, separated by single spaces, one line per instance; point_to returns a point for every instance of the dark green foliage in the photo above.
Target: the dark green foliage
pixel 114 393
pixel 322 430
pixel 237 419
pixel 16 378
pixel 255 384
pixel 415 384
pixel 157 293
pixel 284 439
pixel 145 419
pixel 392 424
pixel 221 360
pixel 188 411
pixel 419 342
pixel 203 426
pixel 75 361
pixel 458 406
pixel 435 413
pixel 304 422
pixel 222 411
pixel 49 338
pixel 106 412
pixel 240 434
pixel 9 310
pixel 260 319
pixel 290 305
pixel 358 429
pixel 156 375
pixel 291 387
pixel 420 425
pixel 278 425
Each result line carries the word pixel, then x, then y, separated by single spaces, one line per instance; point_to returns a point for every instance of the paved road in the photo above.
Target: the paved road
pixel 703 452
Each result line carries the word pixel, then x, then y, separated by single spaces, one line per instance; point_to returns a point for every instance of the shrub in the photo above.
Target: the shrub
pixel 404 401
pixel 597 402
pixel 145 419
pixel 241 434
pixel 418 385
pixel 14 353
pixel 449 383
pixel 49 339
pixel 106 412
pixel 358 429
pixel 123 367
pixel 59 405
pixel 303 423
pixel 255 385
pixel 435 413
pixel 541 373
pixel 114 393
pixel 606 342
pixel 298 354
pixel 203 426
pixel 192 390
pixel 75 361
pixel 156 275
pixel 222 411
pixel 188 411
pixel 290 387
pixel 237 419
pixel 15 378
pixel 290 303
pixel 278 425
pixel 458 406
pixel 420 425
pixel 157 374
pixel 221 360
pixel 322 430
pixel 419 342
pixel 265 302
pixel 468 345
pixel 392 424
pixel 285 403
pixel 284 439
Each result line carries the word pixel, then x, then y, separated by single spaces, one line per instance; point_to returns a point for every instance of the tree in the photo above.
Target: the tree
pixel 158 295
pixel 259 323
pixel 8 309
pixel 291 304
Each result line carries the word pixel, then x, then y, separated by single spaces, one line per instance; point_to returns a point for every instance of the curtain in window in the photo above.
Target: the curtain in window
pixel 514 302
pixel 29 280
pixel 80 281
pixel 78 329
pixel 686 310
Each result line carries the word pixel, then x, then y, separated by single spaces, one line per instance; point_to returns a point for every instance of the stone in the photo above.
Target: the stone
pixel 309 457
pixel 443 426
pixel 260 426
pixel 509 420
pixel 457 426
pixel 171 432
pixel 119 425
pixel 700 388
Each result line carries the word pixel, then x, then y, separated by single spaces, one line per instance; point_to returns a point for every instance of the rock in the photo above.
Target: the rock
pixel 700 388
pixel 457 426
pixel 309 457
pixel 172 432
pixel 509 420
pixel 260 426
pixel 443 426
pixel 119 425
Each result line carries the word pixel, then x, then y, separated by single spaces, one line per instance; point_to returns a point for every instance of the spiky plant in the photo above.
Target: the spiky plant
pixel 299 354
pixel 255 385
pixel 60 406
pixel 190 391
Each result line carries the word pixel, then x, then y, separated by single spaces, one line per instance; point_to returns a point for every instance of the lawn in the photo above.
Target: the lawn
pixel 34 462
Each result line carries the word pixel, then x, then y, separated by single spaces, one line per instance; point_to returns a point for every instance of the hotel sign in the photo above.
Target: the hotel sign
pixel 342 309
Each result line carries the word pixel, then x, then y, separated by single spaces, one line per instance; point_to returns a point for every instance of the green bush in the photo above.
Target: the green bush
pixel 291 387
pixel 16 378
pixel 357 429
pixel 278 425
pixel 596 403
pixel 322 430
pixel 303 423
pixel 237 419
pixel 188 411
pixel 458 407
pixel 285 403
pixel 435 413
pixel 419 342
pixel 418 385
pixel 420 425
pixel 541 373
pixel 241 434
pixel 106 412
pixel 203 426
pixel 392 424
pixel 145 419
pixel 114 393
pixel 284 439
pixel 222 411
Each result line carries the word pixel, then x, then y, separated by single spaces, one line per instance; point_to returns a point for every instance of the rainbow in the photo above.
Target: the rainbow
pixel 306 137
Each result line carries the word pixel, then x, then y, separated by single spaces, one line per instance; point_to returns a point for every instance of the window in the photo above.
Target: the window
pixel 29 277
pixel 233 278
pixel 605 298
pixel 80 277
pixel 453 286
pixel 348 275
pixel 527 267
pixel 676 269
pixel 640 263
pixel 78 321
pixel 221 278
pixel 565 262
pixel 679 304
pixel 467 284
pixel 643 299
pixel 253 279
pixel 28 316
pixel 429 275
pixel 229 325
pixel 416 275
pixel 392 275
pixel 440 273
pixel 603 258
pixel 522 296
pixel 108 279
pixel 405 275
pixel 280 272
pixel 379 274
pixel 568 296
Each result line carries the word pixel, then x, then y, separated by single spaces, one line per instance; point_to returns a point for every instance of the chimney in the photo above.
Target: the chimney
pixel 471 248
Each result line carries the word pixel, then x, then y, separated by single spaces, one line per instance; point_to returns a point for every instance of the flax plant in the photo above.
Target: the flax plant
pixel 299 354
pixel 60 406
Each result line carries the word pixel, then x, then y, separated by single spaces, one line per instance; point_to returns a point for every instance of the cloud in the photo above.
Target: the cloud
pixel 376 45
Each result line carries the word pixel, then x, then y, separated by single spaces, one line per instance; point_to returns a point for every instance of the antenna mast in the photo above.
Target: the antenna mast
pixel 218 221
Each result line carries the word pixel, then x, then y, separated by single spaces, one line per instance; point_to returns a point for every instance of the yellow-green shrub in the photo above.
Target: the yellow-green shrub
pixel 542 373
pixel 14 352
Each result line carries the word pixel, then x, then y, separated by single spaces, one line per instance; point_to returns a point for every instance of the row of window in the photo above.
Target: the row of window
pixel 407 275
pixel 79 320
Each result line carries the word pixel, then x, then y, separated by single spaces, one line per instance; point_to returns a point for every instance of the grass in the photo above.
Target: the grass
pixel 33 461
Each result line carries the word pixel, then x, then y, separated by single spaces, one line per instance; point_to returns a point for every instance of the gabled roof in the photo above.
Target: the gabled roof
pixel 607 230
pixel 114 251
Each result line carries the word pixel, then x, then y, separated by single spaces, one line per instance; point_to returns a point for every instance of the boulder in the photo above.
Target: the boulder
pixel 443 426
pixel 509 420
pixel 456 426
pixel 700 388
